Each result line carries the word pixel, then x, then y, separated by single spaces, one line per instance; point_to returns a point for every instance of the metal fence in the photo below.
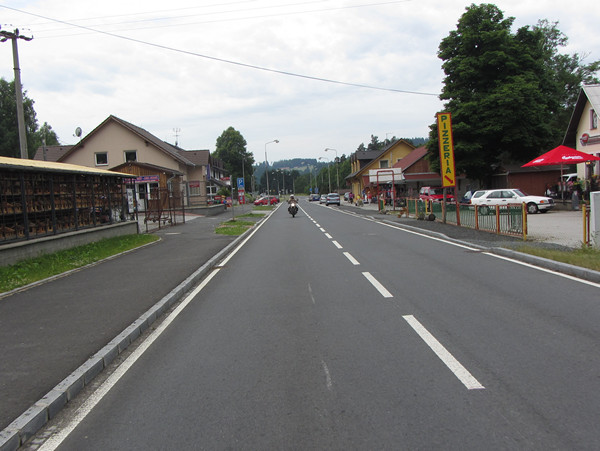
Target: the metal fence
pixel 502 219
pixel 164 206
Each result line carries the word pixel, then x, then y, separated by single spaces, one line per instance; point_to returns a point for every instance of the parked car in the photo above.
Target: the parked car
pixel 486 199
pixel 314 197
pixel 435 194
pixel 466 199
pixel 347 196
pixel 266 200
pixel 323 199
pixel 333 198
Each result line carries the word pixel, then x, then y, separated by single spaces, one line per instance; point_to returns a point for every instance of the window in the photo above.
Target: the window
pixel 384 164
pixel 130 155
pixel 101 159
pixel 593 119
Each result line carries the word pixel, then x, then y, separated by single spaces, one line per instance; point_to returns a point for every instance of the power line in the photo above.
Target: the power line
pixel 179 24
pixel 222 60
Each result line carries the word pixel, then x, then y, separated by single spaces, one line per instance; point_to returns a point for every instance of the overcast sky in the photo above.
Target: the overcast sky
pixel 157 65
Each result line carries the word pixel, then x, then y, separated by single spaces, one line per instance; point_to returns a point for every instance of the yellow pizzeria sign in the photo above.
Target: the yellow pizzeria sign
pixel 444 123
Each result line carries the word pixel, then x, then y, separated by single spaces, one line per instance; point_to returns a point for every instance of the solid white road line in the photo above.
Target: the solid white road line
pixel 351 258
pixel 56 439
pixel 454 365
pixel 539 268
pixel 385 293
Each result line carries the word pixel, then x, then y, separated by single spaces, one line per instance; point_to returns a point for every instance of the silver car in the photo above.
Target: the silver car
pixel 333 198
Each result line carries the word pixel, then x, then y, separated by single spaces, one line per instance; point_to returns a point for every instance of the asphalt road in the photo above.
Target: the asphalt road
pixel 323 332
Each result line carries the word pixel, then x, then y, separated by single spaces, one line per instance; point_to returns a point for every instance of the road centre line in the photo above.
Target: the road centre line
pixel 328 235
pixel 385 293
pixel 322 230
pixel 454 365
pixel 338 245
pixel 354 261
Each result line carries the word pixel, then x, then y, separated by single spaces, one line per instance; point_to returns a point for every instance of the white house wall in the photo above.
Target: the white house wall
pixel 584 127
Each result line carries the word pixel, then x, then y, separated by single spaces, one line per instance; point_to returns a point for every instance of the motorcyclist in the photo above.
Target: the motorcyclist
pixel 292 205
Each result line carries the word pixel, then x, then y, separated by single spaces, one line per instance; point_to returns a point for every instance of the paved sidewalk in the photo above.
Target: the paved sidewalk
pixel 49 330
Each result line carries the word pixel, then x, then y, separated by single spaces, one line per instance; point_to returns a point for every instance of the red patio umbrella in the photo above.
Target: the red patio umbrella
pixel 561 155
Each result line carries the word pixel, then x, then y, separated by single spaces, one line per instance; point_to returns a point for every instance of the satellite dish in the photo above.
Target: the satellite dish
pixel 78 132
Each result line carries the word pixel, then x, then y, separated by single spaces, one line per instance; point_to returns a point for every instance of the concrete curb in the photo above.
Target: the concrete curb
pixel 36 417
pixel 564 268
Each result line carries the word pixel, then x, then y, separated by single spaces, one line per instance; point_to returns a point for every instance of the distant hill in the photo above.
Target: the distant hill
pixel 302 165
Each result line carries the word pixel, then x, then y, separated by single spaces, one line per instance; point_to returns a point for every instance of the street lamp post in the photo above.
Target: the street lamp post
pixel 328 170
pixel 267 164
pixel 337 171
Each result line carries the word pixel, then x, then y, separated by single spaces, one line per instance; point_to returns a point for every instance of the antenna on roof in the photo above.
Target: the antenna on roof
pixel 176 130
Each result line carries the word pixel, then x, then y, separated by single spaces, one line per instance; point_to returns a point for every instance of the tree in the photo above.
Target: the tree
pixel 44 136
pixel 505 91
pixel 231 149
pixel 9 128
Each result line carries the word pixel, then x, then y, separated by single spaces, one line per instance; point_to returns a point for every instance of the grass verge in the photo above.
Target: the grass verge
pixel 42 267
pixel 586 257
pixel 233 227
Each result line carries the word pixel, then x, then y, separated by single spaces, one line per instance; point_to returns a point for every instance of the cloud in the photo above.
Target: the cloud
pixel 78 78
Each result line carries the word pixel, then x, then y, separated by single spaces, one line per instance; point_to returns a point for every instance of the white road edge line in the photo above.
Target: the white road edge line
pixel 539 268
pixel 385 293
pixel 454 365
pixel 354 261
pixel 57 438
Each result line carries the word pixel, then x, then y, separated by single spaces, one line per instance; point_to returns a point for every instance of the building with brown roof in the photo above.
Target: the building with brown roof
pixel 152 162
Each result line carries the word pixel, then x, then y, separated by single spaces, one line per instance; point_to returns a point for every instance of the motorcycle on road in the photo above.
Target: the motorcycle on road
pixel 293 209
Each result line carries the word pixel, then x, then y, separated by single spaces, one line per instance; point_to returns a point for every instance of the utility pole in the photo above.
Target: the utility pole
pixel 13 36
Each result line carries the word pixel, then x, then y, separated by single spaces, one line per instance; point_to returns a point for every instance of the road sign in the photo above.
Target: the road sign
pixel 240 182
pixel 444 122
